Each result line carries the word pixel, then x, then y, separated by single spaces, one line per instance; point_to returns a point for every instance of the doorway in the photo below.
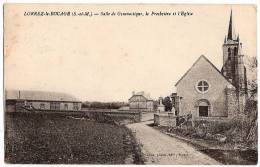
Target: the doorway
pixel 203 108
pixel 203 111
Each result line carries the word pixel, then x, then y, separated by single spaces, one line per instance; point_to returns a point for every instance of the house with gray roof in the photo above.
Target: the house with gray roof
pixel 16 100
pixel 140 101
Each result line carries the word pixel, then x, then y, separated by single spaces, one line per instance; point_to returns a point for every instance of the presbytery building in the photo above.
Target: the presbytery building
pixel 140 101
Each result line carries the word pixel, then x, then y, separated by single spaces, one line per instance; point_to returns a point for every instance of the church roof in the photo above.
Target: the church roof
pixel 39 96
pixel 214 67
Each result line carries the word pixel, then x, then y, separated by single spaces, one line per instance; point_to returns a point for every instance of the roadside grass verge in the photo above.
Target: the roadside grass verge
pixel 223 152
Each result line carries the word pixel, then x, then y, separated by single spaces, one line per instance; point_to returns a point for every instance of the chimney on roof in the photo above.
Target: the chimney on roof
pixel 19 94
pixel 133 92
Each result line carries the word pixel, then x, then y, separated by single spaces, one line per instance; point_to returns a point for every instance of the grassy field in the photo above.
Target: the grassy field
pixel 55 138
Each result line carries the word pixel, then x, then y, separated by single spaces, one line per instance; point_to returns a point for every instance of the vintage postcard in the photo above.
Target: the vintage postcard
pixel 130 84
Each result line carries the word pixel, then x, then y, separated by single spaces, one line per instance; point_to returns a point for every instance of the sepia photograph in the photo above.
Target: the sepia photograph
pixel 141 84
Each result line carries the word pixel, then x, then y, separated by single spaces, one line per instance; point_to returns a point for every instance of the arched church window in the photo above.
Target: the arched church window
pixel 229 54
pixel 202 86
pixel 235 50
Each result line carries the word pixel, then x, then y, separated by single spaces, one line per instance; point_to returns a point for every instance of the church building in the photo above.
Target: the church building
pixel 206 91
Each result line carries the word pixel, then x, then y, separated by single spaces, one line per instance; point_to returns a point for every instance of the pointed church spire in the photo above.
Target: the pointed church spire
pixel 225 40
pixel 230 28
pixel 238 37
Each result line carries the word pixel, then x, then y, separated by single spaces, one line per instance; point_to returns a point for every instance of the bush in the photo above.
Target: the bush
pixel 214 127
pixel 185 129
pixel 236 129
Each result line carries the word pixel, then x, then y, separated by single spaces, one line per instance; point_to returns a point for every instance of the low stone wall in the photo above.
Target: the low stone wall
pixel 118 115
pixel 169 119
pixel 212 119
pixel 213 125
pixel 115 115
pixel 165 119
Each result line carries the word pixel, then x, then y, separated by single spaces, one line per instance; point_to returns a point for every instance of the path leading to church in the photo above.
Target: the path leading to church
pixel 159 148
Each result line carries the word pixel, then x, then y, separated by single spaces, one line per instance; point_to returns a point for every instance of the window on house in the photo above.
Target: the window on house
pixel 55 106
pixel 202 86
pixel 28 105
pixel 75 106
pixel 42 106
pixel 66 107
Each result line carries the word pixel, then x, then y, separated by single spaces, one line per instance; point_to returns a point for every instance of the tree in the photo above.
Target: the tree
pixel 252 82
pixel 167 103
pixel 251 103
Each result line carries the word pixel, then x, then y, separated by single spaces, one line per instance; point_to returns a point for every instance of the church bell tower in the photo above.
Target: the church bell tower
pixel 233 64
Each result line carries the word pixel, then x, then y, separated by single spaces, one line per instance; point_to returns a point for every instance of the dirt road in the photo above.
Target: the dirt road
pixel 159 148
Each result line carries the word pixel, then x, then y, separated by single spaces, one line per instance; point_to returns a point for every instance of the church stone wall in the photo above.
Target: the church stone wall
pixel 231 102
pixel 216 95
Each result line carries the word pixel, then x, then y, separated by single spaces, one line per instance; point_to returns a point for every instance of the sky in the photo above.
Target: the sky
pixel 105 58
